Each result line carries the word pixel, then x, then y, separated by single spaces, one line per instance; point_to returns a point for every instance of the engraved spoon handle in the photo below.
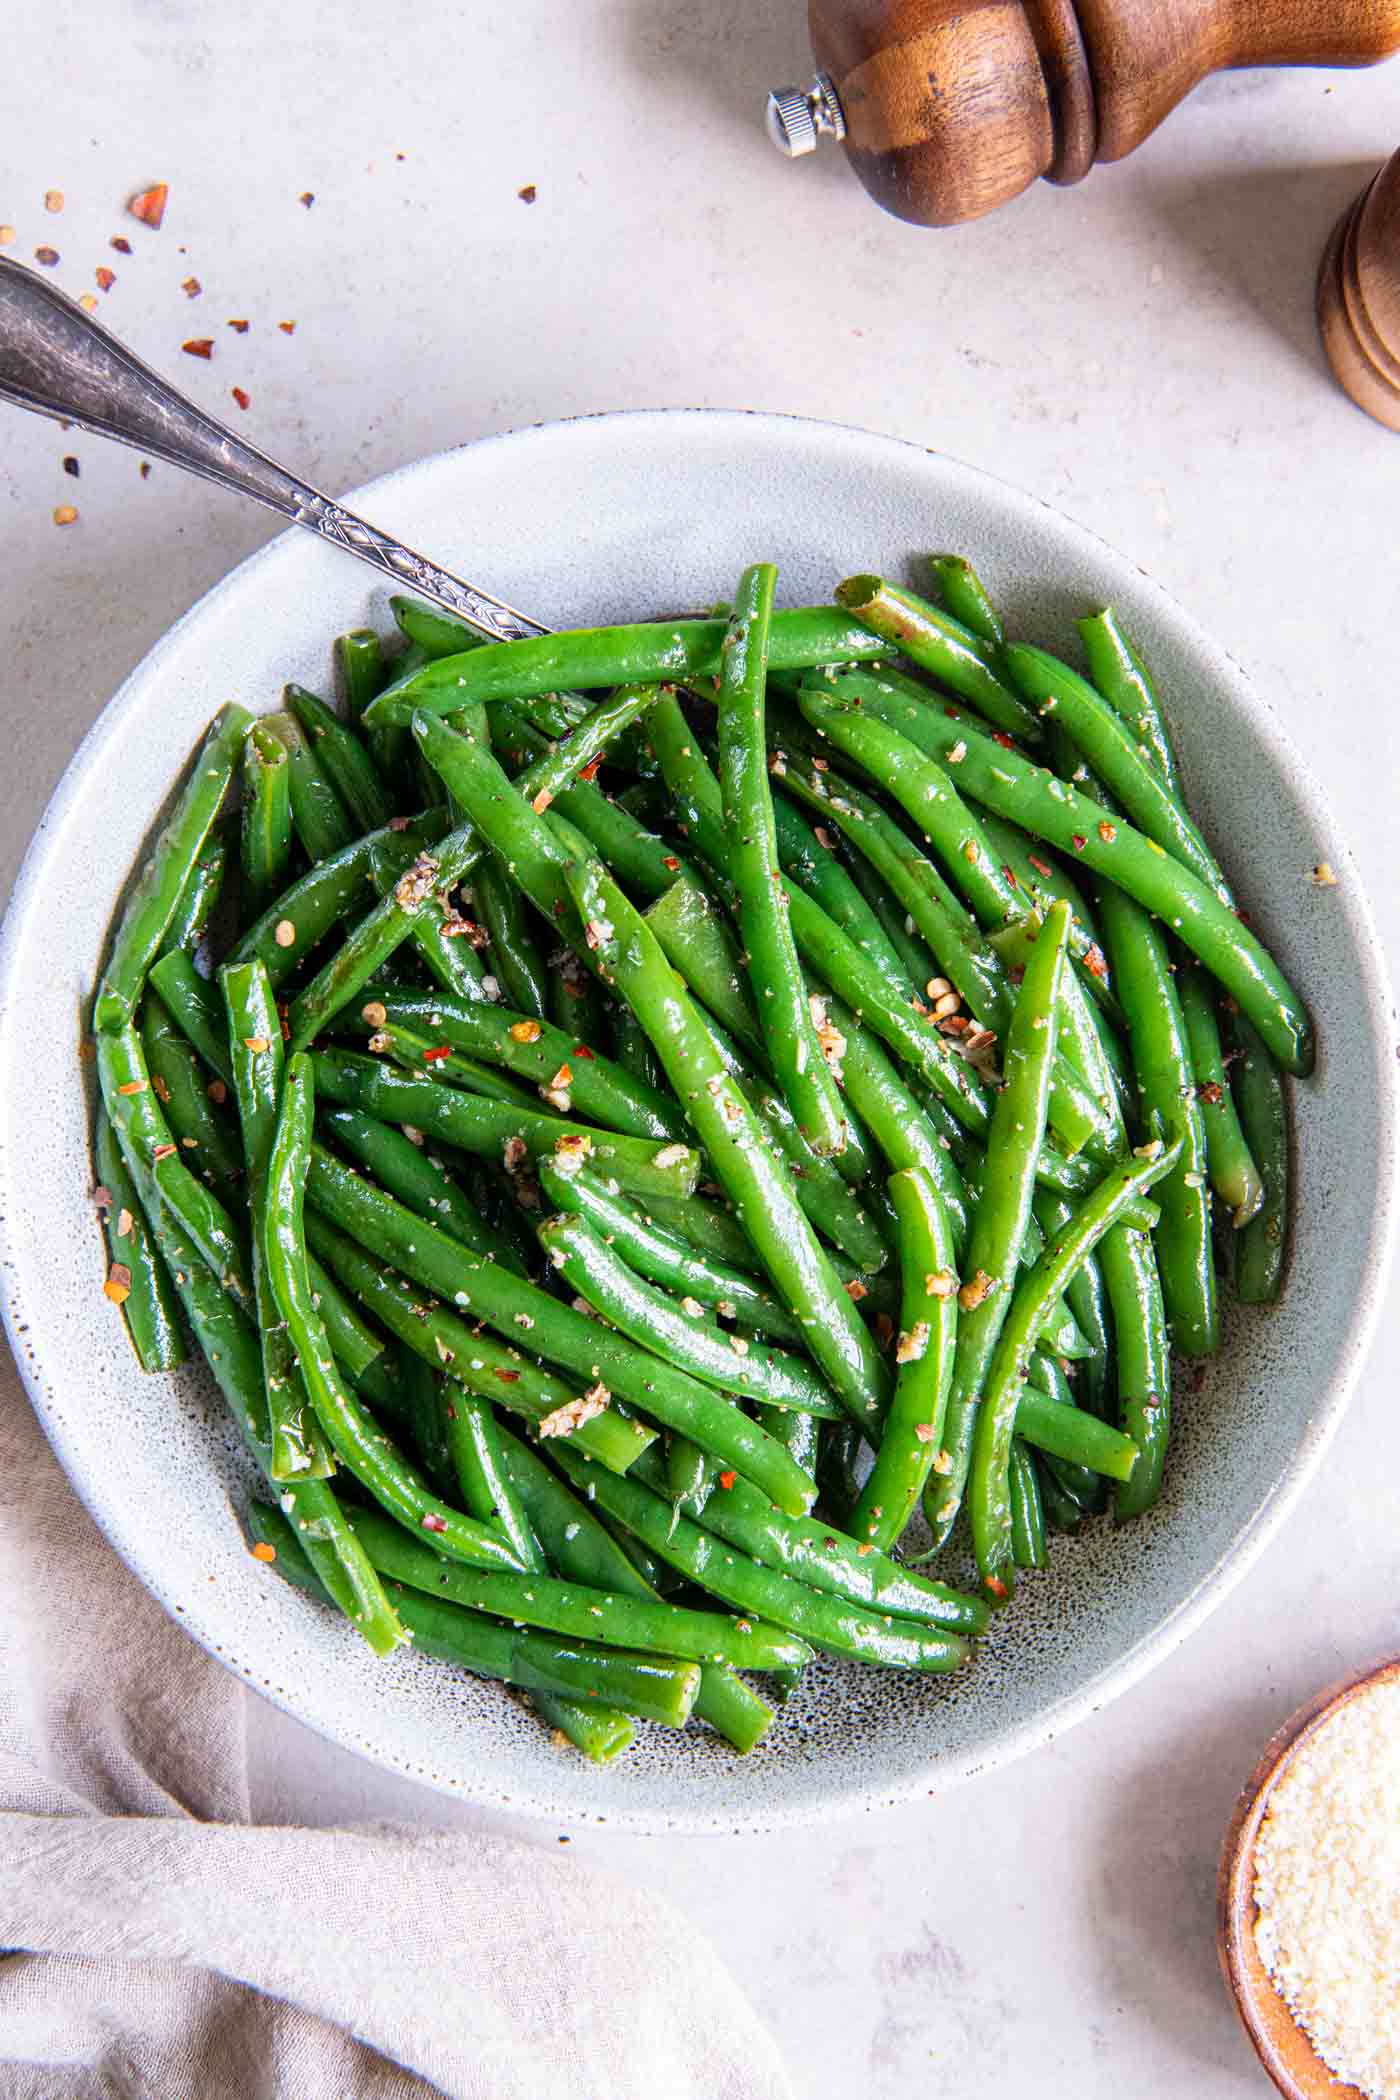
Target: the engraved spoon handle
pixel 56 360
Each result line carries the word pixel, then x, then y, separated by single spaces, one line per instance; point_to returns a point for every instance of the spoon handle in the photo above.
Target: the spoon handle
pixel 56 360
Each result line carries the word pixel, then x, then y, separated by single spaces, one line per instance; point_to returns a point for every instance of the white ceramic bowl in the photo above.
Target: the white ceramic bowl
pixel 606 519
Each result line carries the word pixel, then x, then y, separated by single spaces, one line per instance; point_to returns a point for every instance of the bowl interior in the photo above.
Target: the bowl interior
pixel 609 518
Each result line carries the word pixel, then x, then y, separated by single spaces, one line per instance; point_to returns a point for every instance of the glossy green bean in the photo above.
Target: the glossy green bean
pixel 1119 674
pixel 319 817
pixel 666 1259
pixel 1262 1247
pixel 199 899
pixel 1028 1547
pixel 344 760
pixel 492 1370
pixel 156 896
pixel 940 645
pixel 1054 810
pixel 207 1144
pixel 360 1447
pixel 195 1006
pixel 515 959
pixel 1233 1173
pixel 305 913
pixel 591 1267
pixel 149 1308
pixel 360 669
pixel 897 1121
pixel 913 1429
pixel 488 1127
pixel 1042 879
pixel 967 599
pixel 266 836
pixel 1073 1434
pixel 1087 1300
pixel 1143 1362
pixel 418 1178
pixel 815 868
pixel 676 651
pixel 418 1052
pixel 987 1501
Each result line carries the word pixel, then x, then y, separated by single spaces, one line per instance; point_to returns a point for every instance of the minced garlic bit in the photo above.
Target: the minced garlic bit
pixel 671 1155
pixel 738 1345
pixel 912 1344
pixel 940 1283
pixel 415 885
pixel 525 1031
pixel 574 1413
pixel 284 933
pixel 975 1290
pixel 1324 875
pixel 1327 1887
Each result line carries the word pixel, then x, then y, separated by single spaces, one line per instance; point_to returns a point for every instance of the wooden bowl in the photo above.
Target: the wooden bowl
pixel 1279 2042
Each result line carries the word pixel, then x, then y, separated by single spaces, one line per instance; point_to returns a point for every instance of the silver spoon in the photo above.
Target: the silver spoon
pixel 56 360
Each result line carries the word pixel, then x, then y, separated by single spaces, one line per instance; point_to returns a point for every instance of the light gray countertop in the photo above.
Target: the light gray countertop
pixel 1141 352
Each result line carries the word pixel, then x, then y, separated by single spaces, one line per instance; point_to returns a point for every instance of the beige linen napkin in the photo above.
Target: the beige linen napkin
pixel 167 1950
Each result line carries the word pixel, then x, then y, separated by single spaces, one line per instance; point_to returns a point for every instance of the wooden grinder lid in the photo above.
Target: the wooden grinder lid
pixel 1358 298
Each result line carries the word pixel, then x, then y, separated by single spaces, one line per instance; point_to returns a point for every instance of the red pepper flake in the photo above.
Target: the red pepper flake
pixel 1095 961
pixel 164 1151
pixel 433 1522
pixel 727 1480
pixel 670 862
pixel 590 771
pixel 1010 875
pixel 1041 867
pixel 997 1586
pixel 149 205
pixel 47 256
pixel 263 1551
pixel 1080 842
pixel 105 278
pixel 191 287
pixel 1213 1093
pixel 243 400
pixel 120 242
pixel 528 194
pixel 437 1054
pixel 954 714
pixel 856 1289
pixel 582 1050
pixel 999 736
pixel 70 466
pixel 1107 832
pixel 134 1086
pixel 239 327
pixel 307 199
pixel 507 1377
pixel 199 346
pixel 287 327
pixel 145 470
pixel 65 514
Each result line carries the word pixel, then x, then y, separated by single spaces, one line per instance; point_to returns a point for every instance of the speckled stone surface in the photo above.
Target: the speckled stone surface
pixel 1141 352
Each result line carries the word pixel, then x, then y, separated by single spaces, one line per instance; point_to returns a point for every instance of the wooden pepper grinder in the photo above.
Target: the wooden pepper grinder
pixel 948 108
pixel 1358 297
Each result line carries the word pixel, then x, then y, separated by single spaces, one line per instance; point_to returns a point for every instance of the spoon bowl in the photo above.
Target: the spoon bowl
pixel 1281 2044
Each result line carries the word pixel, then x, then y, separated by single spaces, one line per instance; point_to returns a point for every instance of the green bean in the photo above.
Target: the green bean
pixel 419 1179
pixel 137 1269
pixel 1082 1068
pixel 1054 810
pixel 838 1448
pixel 614 1621
pixel 1162 1061
pixel 658 1690
pixel 267 819
pixel 558 1333
pixel 599 1089
pixel 343 757
pixel 366 1453
pixel 1120 675
pixel 1028 1549
pixel 940 645
pixel 690 1475
pixel 1143 1361
pixel 897 1120
pixel 1233 1173
pixel 1060 1507
pixel 988 1504
pixel 1087 1300
pixel 966 598
pixel 1072 1434
pixel 319 817
pixel 416 1052
pixel 678 651
pixel 823 1619
pixel 422 1414
pixel 913 1428
pixel 195 1006
pixel 256 1058
pixel 1042 881
pixel 1262 1245
pixel 303 915
pixel 442 938
pixel 629 956
pixel 429 628
pixel 472 1436
pixel 1002 1214
pixel 489 1127
pixel 231 1350
pixel 156 896
pixel 143 1132
pixel 660 1255
pixel 199 899
pixel 786 1019
pixel 1109 747
pixel 589 1265
pixel 360 669
pixel 357 1347
pixel 631 1051
pixel 514 957
pixel 484 1366
pixel 177 1075
pixel 708 1227
pixel 816 869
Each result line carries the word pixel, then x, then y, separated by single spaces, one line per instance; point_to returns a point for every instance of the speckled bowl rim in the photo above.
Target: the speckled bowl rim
pixel 1231 1566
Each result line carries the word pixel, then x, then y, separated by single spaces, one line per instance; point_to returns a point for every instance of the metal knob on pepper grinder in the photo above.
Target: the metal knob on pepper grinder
pixel 948 108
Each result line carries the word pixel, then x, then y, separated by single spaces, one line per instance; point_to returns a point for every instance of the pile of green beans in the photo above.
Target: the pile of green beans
pixel 657 1140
